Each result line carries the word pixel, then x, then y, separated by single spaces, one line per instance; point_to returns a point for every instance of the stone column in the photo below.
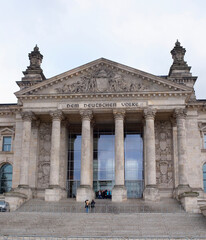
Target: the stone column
pixel 85 190
pixel 26 136
pixel 24 166
pixel 119 192
pixel 151 191
pixel 54 193
pixel 180 115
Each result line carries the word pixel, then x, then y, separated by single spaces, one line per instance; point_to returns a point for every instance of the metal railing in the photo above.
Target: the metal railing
pixel 143 208
pixel 97 238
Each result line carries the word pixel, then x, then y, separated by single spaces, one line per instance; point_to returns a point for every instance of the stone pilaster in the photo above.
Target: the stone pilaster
pixel 151 191
pixel 85 190
pixel 55 193
pixel 119 192
pixel 180 115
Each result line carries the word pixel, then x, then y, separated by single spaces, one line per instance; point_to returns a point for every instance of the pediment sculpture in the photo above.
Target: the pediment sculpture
pixel 104 80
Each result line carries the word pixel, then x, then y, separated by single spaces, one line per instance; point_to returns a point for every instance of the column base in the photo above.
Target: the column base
pixel 151 193
pixel 54 194
pixel 24 189
pixel 189 202
pixel 85 192
pixel 181 189
pixel 119 193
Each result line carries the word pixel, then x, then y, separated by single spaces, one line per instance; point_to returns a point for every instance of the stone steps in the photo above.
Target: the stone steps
pixel 103 206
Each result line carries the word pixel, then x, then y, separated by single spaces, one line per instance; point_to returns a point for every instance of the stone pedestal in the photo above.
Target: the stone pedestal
pixel 203 210
pixel 151 193
pixel 181 189
pixel 189 202
pixel 119 193
pixel 54 194
pixel 15 199
pixel 85 192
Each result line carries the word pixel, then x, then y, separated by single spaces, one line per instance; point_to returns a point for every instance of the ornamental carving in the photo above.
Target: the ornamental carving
pixel 57 115
pixel 105 79
pixel 119 114
pixel 44 155
pixel 163 147
pixel 86 114
pixel 28 116
pixel 149 113
pixel 180 113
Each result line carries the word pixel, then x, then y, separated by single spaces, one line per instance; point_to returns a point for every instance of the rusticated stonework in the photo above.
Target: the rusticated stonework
pixel 163 147
pixel 44 155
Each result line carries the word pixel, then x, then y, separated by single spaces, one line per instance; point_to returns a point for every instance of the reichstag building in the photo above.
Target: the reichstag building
pixel 104 127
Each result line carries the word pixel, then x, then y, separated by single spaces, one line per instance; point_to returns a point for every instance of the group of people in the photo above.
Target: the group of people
pixel 103 194
pixel 89 205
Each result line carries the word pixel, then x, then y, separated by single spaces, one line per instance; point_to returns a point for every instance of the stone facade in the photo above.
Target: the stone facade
pixel 102 91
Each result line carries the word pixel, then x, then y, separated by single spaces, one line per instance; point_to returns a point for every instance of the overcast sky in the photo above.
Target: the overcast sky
pixel 69 33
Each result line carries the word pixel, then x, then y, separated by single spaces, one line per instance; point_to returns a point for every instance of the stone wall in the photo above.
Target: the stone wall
pixel 44 155
pixel 164 155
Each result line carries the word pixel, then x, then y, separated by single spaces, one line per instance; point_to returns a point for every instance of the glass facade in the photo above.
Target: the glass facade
pixel 6 144
pixel 133 146
pixel 74 164
pixel 5 178
pixel 104 161
pixel 204 177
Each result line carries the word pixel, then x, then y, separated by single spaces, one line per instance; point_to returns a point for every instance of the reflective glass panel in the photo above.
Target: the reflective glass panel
pixel 5 178
pixel 103 160
pixel 134 179
pixel 74 163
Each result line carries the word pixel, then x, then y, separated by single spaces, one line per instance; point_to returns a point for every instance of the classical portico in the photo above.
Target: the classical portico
pixel 106 128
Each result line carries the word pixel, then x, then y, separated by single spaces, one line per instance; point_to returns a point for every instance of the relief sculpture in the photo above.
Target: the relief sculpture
pixel 164 163
pixel 44 155
pixel 104 80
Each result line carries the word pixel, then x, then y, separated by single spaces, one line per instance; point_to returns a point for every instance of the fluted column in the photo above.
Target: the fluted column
pixel 55 148
pixel 26 136
pixel 119 192
pixel 151 192
pixel 180 115
pixel 85 190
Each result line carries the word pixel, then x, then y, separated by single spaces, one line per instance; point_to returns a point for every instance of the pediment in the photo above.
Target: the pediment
pixel 102 76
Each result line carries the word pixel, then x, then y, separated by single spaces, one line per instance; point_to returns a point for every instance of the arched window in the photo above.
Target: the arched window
pixel 204 177
pixel 5 178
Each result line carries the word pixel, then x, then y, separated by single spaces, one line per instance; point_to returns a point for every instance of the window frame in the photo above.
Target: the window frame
pixel 5 145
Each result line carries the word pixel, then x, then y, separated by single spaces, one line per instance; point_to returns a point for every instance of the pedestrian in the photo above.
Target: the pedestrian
pixel 87 203
pixel 92 205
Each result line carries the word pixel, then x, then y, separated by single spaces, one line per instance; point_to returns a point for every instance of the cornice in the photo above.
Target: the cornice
pixel 106 95
pixel 103 62
pixel 9 110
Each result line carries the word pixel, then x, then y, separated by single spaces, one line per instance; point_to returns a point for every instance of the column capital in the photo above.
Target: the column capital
pixel 86 115
pixel 119 114
pixel 149 113
pixel 57 115
pixel 28 116
pixel 180 113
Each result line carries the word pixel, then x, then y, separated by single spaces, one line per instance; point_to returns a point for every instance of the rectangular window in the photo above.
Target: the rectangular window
pixel 6 144
pixel 204 141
